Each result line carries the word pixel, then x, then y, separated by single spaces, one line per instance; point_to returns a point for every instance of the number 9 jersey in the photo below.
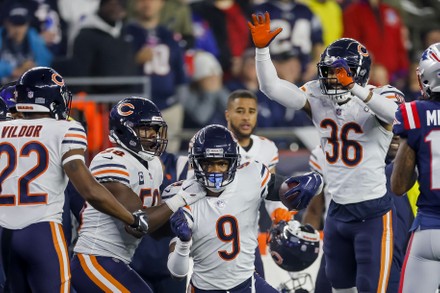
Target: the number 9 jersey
pixel 32 179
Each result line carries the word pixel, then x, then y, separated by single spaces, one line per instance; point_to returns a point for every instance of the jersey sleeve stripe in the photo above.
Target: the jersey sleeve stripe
pixel 415 113
pixel 315 165
pixel 76 135
pixel 266 178
pixel 410 116
pixel 108 166
pixel 74 142
pixel 113 178
pixel 77 129
pixel 110 171
pixel 274 159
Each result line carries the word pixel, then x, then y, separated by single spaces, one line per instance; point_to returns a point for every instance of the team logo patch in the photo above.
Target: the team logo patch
pixel 125 109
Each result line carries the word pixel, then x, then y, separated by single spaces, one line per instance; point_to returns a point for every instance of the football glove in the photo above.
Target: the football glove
pixel 299 196
pixel 140 226
pixel 343 72
pixel 180 226
pixel 190 192
pixel 280 214
pixel 260 30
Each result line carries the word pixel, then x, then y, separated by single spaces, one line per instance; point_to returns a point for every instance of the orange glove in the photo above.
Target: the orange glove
pixel 343 73
pixel 260 30
pixel 280 214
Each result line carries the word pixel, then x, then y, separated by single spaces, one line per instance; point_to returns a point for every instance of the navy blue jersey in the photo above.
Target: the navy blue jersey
pixel 301 28
pixel 166 69
pixel 419 122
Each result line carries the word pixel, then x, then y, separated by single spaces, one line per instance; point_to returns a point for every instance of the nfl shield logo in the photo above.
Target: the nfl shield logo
pixel 339 111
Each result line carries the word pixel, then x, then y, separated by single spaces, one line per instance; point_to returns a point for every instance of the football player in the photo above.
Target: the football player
pixel 38 155
pixel 417 124
pixel 354 123
pixel 241 116
pixel 132 172
pixel 221 230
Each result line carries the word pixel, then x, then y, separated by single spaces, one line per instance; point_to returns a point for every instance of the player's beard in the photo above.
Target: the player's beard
pixel 240 135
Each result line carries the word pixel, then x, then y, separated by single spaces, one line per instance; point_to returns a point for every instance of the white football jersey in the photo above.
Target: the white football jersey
pixel 225 230
pixel 101 234
pixel 33 178
pixel 263 150
pixel 354 143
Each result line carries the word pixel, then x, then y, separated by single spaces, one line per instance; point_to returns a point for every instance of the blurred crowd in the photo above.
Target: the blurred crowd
pixel 196 52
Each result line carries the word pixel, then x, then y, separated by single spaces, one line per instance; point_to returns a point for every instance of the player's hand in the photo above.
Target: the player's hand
pixel 304 188
pixel 260 30
pixel 343 73
pixel 280 214
pixel 190 192
pixel 140 226
pixel 180 226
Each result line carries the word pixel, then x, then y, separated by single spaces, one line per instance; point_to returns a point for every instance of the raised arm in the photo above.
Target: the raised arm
pixel 279 90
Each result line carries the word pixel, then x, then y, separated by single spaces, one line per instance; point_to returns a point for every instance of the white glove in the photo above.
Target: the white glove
pixel 190 192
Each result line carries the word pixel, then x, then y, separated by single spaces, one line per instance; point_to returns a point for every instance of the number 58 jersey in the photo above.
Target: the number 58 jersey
pixel 32 179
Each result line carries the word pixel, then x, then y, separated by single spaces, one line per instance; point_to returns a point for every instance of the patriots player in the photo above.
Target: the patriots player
pixel 220 231
pixel 354 122
pixel 38 155
pixel 302 31
pixel 133 173
pixel 418 125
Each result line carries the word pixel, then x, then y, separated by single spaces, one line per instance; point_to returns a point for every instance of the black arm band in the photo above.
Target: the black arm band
pixel 274 187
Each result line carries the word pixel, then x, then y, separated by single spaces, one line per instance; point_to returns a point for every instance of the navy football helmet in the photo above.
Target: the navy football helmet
pixel 357 58
pixel 428 71
pixel 42 89
pixel 129 121
pixel 214 142
pixel 4 111
pixel 293 247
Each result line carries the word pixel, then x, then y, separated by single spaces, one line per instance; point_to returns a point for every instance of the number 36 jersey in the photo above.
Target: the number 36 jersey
pixel 354 143
pixel 32 178
pixel 101 234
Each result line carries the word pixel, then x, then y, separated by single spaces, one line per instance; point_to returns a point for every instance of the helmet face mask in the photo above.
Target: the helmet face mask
pixel 428 71
pixel 357 58
pixel 42 89
pixel 136 124
pixel 214 144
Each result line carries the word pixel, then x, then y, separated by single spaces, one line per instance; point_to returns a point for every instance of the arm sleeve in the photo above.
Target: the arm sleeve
pixel 178 260
pixel 384 108
pixel 274 187
pixel 279 90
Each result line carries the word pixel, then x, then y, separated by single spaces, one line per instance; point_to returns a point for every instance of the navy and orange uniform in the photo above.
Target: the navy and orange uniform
pixel 32 198
pixel 166 68
pixel 419 123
